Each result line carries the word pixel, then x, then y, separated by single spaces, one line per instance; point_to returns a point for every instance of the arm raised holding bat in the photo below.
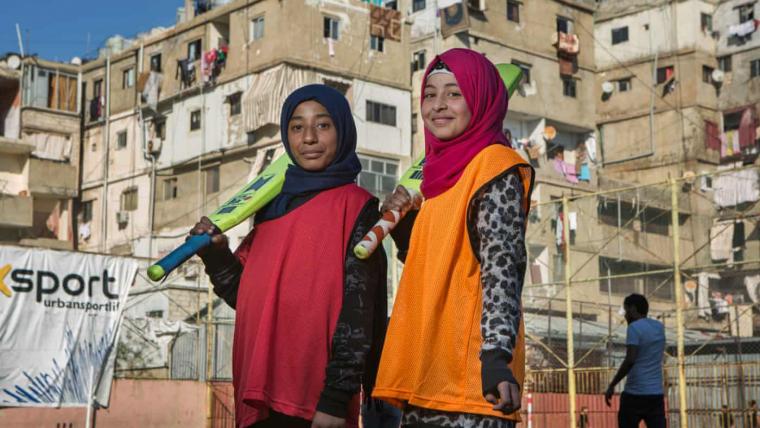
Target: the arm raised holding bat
pixel 310 316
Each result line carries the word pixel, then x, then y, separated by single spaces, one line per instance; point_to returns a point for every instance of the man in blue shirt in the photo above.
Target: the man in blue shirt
pixel 643 396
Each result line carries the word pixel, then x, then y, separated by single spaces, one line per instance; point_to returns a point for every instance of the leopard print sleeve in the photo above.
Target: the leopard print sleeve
pixel 500 229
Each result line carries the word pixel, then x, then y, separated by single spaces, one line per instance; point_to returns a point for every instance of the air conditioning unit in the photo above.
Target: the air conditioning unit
pixel 122 217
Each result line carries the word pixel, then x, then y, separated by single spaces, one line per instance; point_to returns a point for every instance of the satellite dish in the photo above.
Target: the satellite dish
pixel 717 76
pixel 608 87
pixel 550 132
pixel 76 60
pixel 14 61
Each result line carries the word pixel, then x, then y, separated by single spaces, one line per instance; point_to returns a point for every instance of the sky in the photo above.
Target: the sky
pixel 58 29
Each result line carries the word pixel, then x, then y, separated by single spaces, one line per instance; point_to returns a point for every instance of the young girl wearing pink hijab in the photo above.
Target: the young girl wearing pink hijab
pixel 454 355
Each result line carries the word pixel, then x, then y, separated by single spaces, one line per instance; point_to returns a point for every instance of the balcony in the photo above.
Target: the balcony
pixel 16 211
pixel 52 179
pixel 13 146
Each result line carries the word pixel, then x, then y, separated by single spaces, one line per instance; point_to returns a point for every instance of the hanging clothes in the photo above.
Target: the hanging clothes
pixel 751 283
pixel 721 241
pixel 703 293
pixel 734 188
pixel 585 174
pixel 712 136
pixel 747 126
pixel 151 90
pixel 743 29
pixel 185 72
pixel 208 61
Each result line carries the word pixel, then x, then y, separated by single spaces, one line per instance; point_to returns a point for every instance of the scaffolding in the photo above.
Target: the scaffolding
pixel 692 246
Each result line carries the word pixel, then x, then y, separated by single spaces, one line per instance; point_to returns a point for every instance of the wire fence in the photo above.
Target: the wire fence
pixel 690 245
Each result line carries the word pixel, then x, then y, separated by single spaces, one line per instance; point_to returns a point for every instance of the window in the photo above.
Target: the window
pixel 331 28
pixel 624 85
pixel 235 103
pixel 86 211
pixel 212 180
pixel 381 113
pixel 128 78
pixel 418 5
pixel 121 140
pixel 724 63
pixel 195 120
pixel 564 25
pixel 160 129
pixel 707 74
pixel 706 23
pixel 378 176
pixel 170 189
pixel 418 61
pixel 569 87
pixel 155 62
pixel 513 11
pixel 129 199
pixel 746 13
pixel 194 50
pixel 664 74
pixel 377 43
pixel 525 68
pixel 619 35
pixel 155 314
pixel 257 28
pixel 754 68
pixel 97 88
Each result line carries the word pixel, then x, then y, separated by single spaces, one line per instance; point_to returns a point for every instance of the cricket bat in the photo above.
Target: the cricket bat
pixel 412 180
pixel 254 196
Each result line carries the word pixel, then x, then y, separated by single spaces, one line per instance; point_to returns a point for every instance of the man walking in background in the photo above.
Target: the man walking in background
pixel 643 396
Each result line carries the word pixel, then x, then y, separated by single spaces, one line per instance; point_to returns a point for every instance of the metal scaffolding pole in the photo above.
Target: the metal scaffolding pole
pixel 569 313
pixel 679 303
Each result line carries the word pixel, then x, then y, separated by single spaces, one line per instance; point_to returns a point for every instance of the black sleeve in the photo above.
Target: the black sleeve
pixel 224 271
pixel 364 281
pixel 402 234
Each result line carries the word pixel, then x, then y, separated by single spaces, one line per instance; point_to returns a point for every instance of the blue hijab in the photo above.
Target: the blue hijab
pixel 344 168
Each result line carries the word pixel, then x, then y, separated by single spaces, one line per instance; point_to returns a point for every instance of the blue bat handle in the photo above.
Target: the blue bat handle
pixel 170 262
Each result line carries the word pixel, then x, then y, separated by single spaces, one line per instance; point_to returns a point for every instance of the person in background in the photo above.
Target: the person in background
pixel 726 419
pixel 583 418
pixel 643 397
pixel 752 414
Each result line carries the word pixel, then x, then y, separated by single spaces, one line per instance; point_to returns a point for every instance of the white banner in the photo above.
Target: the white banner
pixel 60 314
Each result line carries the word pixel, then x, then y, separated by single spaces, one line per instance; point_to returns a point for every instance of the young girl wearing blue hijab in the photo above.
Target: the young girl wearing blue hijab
pixel 310 315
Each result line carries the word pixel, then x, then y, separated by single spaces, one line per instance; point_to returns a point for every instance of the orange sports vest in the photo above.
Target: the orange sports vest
pixel 431 353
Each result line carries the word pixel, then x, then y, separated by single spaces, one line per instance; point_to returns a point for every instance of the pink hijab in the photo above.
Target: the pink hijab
pixel 487 100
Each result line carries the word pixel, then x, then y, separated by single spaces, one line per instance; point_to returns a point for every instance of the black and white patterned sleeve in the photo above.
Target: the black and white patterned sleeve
pixel 499 226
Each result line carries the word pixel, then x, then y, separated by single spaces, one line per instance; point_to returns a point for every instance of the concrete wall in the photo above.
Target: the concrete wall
pixel 727 15
pixel 629 138
pixel 134 403
pixel 738 89
pixel 14 173
pixel 674 27
pixel 218 129
pixel 377 138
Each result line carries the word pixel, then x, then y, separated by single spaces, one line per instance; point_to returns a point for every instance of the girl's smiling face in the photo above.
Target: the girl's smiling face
pixel 444 109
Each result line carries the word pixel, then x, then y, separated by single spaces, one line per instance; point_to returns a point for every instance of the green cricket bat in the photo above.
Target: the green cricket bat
pixel 254 196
